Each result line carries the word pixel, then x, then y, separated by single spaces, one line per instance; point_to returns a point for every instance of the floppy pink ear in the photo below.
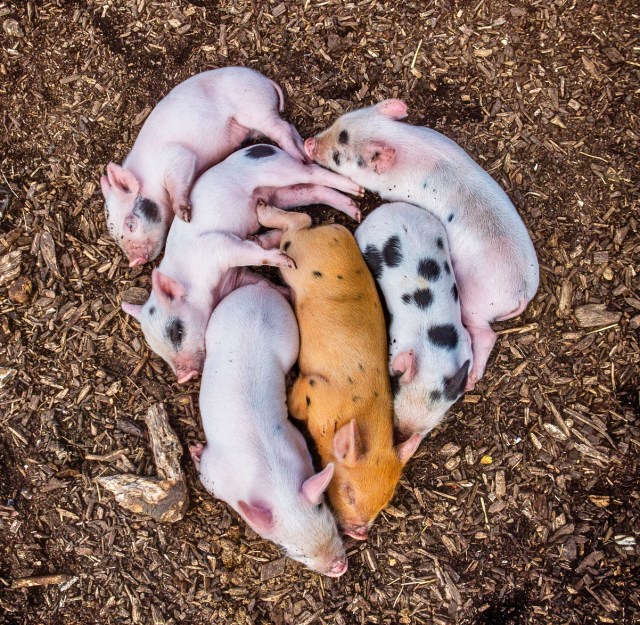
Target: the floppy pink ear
pixel 258 515
pixel 132 309
pixel 347 447
pixel 166 286
pixel 380 156
pixel 313 488
pixel 105 186
pixel 394 108
pixel 122 180
pixel 408 448
pixel 404 363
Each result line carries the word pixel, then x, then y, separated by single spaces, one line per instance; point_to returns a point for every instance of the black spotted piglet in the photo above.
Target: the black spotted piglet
pixel 430 354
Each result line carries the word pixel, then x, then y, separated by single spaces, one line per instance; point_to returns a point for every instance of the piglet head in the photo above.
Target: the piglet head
pixel 138 224
pixel 173 326
pixel 354 145
pixel 365 477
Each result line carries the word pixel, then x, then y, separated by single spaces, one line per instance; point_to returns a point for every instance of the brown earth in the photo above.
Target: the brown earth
pixel 523 508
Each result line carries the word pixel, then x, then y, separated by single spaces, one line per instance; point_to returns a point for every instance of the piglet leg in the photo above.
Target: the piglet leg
pixel 482 341
pixel 272 217
pixel 238 252
pixel 178 180
pixel 267 240
pixel 306 392
pixel 306 194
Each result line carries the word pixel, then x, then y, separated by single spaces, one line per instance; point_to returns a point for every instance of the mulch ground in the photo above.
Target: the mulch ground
pixel 522 508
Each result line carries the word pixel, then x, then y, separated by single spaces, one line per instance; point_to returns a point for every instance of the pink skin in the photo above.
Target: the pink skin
pixel 252 342
pixel 491 251
pixel 224 216
pixel 198 124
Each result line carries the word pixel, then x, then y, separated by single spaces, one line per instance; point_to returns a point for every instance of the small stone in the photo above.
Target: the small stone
pixel 12 28
pixel 452 463
pixel 595 315
pixel 6 376
pixel 450 449
pixel 20 290
pixel 607 274
pixel 635 322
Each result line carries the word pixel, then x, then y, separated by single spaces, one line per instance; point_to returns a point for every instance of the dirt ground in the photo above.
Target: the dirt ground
pixel 522 508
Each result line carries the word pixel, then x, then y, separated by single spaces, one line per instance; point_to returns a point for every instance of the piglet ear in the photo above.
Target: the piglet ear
pixel 258 515
pixel 313 488
pixel 132 309
pixel 404 363
pixel 167 287
pixel 380 156
pixel 408 448
pixel 122 180
pixel 105 186
pixel 347 447
pixel 195 451
pixel 394 108
pixel 454 386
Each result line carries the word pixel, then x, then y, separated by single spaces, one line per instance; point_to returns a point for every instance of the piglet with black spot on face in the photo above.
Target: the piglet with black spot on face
pixel 430 355
pixel 255 459
pixel 202 259
pixel 496 264
pixel 198 124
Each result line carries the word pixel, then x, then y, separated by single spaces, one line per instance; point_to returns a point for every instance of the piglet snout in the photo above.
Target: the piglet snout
pixel 310 147
pixel 141 260
pixel 184 377
pixel 338 567
pixel 357 532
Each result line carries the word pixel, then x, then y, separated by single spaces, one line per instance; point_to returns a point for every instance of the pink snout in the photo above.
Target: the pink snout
pixel 310 147
pixel 337 567
pixel 184 375
pixel 141 260
pixel 359 532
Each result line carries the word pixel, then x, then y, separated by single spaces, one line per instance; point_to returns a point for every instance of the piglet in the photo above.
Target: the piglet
pixel 255 459
pixel 343 390
pixel 201 258
pixel 198 124
pixel 407 251
pixel 493 257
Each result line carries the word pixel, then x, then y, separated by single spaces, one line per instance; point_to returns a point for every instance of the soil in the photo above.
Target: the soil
pixel 522 508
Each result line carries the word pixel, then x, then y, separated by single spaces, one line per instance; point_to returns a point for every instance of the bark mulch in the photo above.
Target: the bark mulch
pixel 522 508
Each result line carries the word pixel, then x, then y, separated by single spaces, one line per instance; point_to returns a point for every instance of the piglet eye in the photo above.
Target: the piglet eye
pixel 336 157
pixel 351 496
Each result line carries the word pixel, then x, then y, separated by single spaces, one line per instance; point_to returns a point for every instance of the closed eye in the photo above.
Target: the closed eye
pixel 336 157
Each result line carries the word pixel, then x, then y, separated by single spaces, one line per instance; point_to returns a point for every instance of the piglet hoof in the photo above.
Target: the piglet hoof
pixel 183 211
pixel 471 383
pixel 280 260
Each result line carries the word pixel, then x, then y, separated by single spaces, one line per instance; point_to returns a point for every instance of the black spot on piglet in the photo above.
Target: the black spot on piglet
pixel 454 386
pixel 392 252
pixel 260 151
pixel 373 258
pixel 444 336
pixel 343 137
pixel 423 298
pixel 440 243
pixel 446 267
pixel 454 292
pixel 146 209
pixel 175 333
pixel 429 269
pixel 317 274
